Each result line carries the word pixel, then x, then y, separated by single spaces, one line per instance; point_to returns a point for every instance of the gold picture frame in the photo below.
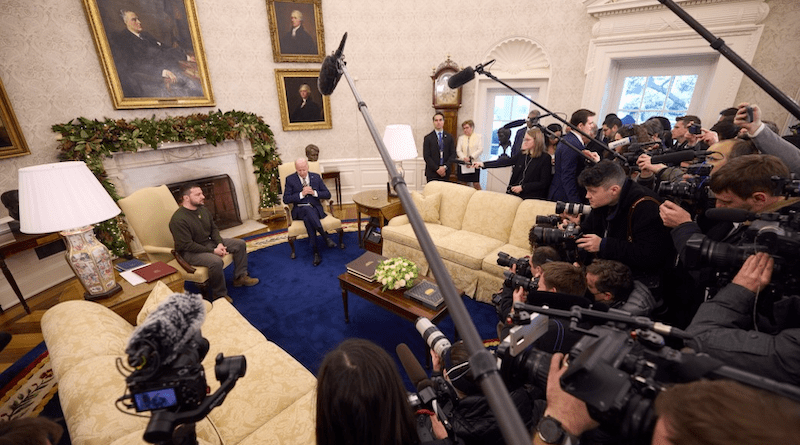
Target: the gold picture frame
pixel 151 53
pixel 315 114
pixel 12 141
pixel 307 43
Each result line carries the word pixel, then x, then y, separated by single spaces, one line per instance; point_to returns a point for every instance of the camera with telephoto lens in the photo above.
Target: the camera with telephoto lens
pixel 527 283
pixel 435 339
pixel 548 220
pixel 523 264
pixel 572 208
pixel 775 233
pixel 177 392
pixel 699 169
pixel 695 196
pixel 549 236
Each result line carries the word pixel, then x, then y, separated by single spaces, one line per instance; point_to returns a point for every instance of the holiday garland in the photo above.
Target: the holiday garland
pixel 90 141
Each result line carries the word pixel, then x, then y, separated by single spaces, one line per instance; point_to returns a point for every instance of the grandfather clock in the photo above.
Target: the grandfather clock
pixel 447 101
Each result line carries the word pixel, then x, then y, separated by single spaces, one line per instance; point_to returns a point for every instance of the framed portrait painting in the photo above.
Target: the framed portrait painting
pixel 296 30
pixel 151 52
pixel 12 141
pixel 302 106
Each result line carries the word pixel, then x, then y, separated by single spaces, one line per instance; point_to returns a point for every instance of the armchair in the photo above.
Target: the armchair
pixel 297 228
pixel 148 212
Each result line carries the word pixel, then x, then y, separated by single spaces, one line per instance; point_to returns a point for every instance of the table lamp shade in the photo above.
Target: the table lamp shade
pixel 399 141
pixel 66 197
pixel 62 196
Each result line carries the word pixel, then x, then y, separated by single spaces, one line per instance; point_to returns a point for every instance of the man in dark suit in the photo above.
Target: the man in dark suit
pixel 298 41
pixel 305 189
pixel 438 150
pixel 570 163
pixel 533 118
pixel 307 110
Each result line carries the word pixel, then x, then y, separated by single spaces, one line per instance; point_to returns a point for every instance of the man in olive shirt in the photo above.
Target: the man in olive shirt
pixel 198 241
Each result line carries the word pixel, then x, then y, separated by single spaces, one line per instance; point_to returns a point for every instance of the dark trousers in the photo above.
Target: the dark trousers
pixel 216 275
pixel 310 218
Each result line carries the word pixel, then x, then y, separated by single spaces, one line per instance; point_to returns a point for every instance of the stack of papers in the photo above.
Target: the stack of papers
pixel 364 266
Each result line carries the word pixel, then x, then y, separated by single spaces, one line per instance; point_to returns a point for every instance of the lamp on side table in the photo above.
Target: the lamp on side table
pixel 66 197
pixel 399 141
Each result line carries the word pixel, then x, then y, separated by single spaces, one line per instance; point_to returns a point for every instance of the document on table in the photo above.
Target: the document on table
pixel 133 278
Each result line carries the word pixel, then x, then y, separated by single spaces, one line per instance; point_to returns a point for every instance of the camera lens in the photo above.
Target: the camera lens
pixel 435 339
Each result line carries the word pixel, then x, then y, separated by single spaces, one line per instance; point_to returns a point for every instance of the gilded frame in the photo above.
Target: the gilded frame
pixel 289 83
pixel 168 71
pixel 280 26
pixel 12 141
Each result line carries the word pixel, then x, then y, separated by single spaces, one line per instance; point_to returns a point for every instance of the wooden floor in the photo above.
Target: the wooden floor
pixel 26 329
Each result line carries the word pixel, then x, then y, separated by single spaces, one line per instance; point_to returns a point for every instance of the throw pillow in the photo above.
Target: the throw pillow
pixel 428 206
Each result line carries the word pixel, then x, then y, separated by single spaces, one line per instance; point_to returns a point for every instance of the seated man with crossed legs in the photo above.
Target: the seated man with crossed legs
pixel 305 190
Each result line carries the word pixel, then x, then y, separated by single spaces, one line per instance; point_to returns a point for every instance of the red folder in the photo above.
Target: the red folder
pixel 155 271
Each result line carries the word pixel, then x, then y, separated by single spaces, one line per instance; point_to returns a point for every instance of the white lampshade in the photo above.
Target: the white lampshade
pixel 399 141
pixel 62 196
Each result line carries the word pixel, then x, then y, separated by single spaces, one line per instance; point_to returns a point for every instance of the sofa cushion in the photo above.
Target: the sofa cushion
pixel 454 201
pixel 525 218
pixel 491 214
pixel 466 248
pixel 404 234
pixel 294 425
pixel 428 206
pixel 159 293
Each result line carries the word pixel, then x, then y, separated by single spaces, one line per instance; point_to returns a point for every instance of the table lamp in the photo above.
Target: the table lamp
pixel 399 141
pixel 66 197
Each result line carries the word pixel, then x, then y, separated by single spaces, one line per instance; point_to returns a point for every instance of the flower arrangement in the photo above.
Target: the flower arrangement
pixel 396 273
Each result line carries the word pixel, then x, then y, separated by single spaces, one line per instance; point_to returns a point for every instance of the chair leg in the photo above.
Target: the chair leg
pixel 291 244
pixel 340 231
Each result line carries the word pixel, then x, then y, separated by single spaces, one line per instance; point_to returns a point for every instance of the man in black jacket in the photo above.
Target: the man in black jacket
pixel 624 224
pixel 438 150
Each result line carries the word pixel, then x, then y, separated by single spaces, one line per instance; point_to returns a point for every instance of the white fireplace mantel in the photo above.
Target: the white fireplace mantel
pixel 180 161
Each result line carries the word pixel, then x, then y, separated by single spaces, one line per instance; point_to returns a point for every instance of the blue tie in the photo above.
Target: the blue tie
pixel 441 149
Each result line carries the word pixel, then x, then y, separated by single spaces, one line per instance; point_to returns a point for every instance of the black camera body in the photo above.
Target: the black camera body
pixel 693 195
pixel 527 283
pixel 523 264
pixel 695 129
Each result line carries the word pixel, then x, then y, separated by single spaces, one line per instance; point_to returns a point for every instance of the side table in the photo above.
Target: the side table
pixel 337 183
pixel 376 204
pixel 16 243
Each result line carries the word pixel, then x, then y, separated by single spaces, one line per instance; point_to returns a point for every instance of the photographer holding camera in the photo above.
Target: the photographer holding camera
pixel 765 139
pixel 729 327
pixel 624 224
pixel 702 412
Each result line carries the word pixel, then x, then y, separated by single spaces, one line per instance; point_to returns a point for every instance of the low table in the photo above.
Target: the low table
pixel 391 300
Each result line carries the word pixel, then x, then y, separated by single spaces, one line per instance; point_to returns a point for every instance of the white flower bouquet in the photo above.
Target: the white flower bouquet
pixel 396 273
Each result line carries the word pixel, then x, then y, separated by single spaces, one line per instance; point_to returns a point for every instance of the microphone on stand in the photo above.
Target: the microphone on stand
pixel 329 73
pixel 464 76
pixel 417 375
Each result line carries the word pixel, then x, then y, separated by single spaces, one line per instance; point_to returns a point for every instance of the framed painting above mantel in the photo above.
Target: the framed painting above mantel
pixel 151 53
pixel 12 141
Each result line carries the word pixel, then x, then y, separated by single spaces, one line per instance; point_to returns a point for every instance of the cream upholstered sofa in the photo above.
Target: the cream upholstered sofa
pixel 273 403
pixel 468 227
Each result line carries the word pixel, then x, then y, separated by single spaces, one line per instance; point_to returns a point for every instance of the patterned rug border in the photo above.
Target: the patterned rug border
pixel 264 240
pixel 27 387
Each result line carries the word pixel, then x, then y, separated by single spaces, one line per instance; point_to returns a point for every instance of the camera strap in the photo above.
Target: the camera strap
pixel 630 214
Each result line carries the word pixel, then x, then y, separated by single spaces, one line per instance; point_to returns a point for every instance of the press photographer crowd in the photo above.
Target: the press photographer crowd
pixel 660 304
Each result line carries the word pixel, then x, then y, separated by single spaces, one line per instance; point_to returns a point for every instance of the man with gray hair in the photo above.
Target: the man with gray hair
pixel 307 110
pixel 305 189
pixel 297 40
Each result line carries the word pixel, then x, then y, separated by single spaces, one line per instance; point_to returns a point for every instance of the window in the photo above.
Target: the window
pixel 507 107
pixel 646 96
pixel 647 87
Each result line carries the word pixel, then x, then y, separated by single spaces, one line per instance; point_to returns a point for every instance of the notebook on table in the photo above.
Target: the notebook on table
pixel 364 266
pixel 155 271
pixel 427 294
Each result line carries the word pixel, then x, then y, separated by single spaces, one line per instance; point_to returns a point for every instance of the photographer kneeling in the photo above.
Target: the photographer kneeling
pixel 726 327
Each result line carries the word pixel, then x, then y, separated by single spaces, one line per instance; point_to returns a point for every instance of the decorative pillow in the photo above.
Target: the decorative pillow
pixel 428 206
pixel 156 297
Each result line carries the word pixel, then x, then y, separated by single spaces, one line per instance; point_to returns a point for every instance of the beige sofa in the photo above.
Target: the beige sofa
pixel 273 403
pixel 468 227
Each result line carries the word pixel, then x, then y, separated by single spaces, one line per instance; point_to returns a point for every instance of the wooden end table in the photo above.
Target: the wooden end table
pixel 14 243
pixel 376 204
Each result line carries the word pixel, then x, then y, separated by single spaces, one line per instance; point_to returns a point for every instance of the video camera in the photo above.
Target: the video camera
pixel 617 368
pixel 694 195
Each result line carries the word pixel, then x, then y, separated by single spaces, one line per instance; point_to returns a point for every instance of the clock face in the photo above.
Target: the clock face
pixel 444 94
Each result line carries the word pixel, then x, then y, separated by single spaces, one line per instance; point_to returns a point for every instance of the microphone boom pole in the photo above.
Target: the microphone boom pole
pixel 482 362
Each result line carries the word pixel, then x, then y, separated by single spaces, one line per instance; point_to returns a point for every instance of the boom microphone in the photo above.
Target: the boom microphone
pixel 172 324
pixel 413 369
pixel 731 215
pixel 464 76
pixel 329 73
pixel 515 123
pixel 623 141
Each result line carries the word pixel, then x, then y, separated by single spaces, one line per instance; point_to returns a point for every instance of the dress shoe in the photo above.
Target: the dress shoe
pixel 330 242
pixel 245 280
pixel 317 259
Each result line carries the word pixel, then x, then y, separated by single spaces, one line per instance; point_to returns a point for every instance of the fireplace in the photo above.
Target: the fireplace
pixel 220 199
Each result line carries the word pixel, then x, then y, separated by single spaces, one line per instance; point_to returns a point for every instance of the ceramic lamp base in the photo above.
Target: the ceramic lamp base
pixel 91 262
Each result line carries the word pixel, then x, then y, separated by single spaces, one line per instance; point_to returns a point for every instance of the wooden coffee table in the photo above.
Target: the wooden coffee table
pixel 391 300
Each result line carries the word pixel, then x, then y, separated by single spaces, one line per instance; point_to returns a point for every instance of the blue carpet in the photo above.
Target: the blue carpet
pixel 299 306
